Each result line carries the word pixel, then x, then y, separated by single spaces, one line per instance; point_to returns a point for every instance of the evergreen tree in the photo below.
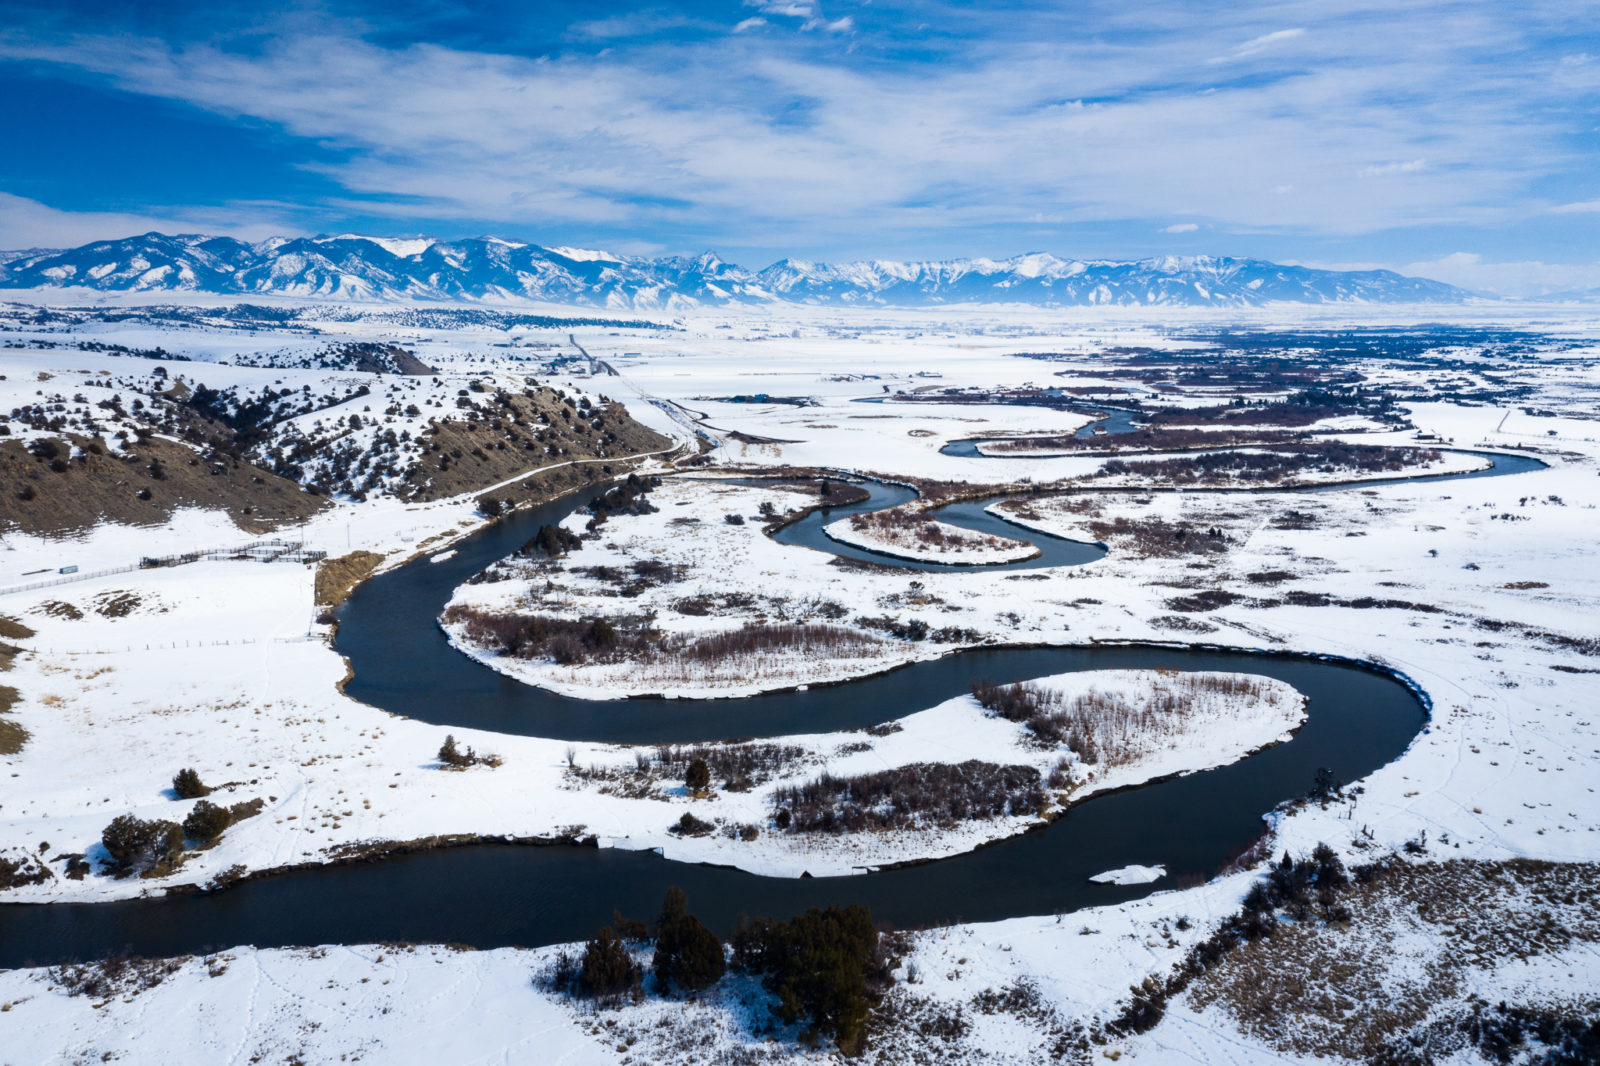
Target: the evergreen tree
pixel 687 953
pixel 137 846
pixel 607 968
pixel 450 755
pixel 206 822
pixel 187 784
pixel 698 777
pixel 821 965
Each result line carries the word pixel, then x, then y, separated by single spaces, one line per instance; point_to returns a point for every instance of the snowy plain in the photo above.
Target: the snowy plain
pixel 1504 769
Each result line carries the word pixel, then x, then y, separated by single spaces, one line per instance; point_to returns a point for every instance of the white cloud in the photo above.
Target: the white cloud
pixel 799 9
pixel 1256 45
pixel 749 24
pixel 843 25
pixel 1181 227
pixel 634 24
pixel 790 146
pixel 1409 167
pixel 28 223
pixel 1526 279
pixel 1582 207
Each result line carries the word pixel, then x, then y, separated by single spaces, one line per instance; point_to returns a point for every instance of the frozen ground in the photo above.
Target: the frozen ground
pixel 1483 592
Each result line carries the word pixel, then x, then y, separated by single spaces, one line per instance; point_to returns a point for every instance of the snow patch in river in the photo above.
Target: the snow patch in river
pixel 1130 875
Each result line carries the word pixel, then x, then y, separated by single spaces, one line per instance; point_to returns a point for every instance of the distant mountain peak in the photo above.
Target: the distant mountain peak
pixel 351 266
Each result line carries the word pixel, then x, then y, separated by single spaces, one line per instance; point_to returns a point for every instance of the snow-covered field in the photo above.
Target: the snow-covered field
pixel 1483 592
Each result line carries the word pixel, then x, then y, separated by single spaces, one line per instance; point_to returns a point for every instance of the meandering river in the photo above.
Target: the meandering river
pixel 489 895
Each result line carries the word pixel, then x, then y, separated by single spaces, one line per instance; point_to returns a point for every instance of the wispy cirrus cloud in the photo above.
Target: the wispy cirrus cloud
pixel 1256 45
pixel 796 142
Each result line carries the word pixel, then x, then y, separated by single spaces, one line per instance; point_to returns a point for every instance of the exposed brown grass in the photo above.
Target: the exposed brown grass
pixel 143 487
pixel 11 629
pixel 337 577
pixel 1312 988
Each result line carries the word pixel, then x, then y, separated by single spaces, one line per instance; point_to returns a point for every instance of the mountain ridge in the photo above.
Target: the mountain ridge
pixel 364 268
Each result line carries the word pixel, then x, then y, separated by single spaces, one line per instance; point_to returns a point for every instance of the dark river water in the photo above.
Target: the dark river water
pixel 488 895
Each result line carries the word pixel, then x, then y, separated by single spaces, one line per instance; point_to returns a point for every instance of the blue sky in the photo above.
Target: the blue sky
pixel 1455 139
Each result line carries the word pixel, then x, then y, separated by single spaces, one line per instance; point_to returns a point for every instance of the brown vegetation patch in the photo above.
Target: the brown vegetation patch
pixel 600 640
pixel 52 494
pixel 910 528
pixel 1346 989
pixel 519 434
pixel 60 609
pixel 920 795
pixel 337 577
pixel 734 766
pixel 12 735
pixel 23 870
pixel 1282 463
pixel 1148 538
pixel 1204 600
pixel 123 975
pixel 1141 440
pixel 11 629
pixel 117 603
pixel 1182 624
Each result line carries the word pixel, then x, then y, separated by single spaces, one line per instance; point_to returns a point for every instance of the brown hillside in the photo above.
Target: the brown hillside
pixel 54 494
pixel 521 434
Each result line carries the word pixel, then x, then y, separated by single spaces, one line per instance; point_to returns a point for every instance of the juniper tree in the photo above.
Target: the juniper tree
pixel 206 822
pixel 187 784
pixel 687 953
pixel 607 969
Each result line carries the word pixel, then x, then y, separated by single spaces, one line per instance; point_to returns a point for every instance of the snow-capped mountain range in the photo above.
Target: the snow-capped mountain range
pixel 352 267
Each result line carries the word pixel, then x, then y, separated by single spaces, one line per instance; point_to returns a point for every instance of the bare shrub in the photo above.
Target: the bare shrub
pixel 1103 727
pixel 573 641
pixel 1281 463
pixel 690 826
pixel 912 528
pixel 807 639
pixel 911 796
pixel 120 975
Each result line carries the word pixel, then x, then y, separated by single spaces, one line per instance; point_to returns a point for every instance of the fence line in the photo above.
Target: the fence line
pixel 266 551
pixel 172 645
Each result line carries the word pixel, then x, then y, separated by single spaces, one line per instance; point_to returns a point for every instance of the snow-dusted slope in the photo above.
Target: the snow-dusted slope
pixel 356 267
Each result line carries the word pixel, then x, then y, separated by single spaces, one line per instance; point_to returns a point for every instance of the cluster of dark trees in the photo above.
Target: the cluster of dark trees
pixel 154 847
pixel 627 497
pixel 552 540
pixel 825 968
